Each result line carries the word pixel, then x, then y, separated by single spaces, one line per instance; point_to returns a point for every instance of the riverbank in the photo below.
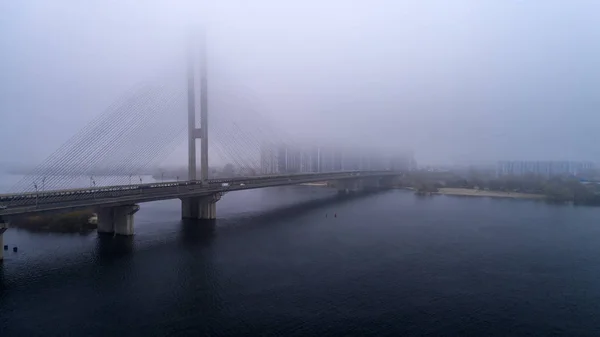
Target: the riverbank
pixel 493 194
pixel 72 222
pixel 315 184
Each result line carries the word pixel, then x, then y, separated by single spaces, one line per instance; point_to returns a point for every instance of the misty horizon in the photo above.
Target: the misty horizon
pixel 461 83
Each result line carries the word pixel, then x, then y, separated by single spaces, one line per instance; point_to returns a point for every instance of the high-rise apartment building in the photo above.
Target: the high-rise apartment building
pixel 542 168
pixel 286 158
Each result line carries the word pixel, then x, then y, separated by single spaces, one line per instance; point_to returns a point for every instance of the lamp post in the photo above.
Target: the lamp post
pixel 36 194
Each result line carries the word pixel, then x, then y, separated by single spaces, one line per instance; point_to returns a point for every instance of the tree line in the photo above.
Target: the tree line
pixel 558 188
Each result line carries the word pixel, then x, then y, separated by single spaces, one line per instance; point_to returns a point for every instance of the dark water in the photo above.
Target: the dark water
pixel 390 264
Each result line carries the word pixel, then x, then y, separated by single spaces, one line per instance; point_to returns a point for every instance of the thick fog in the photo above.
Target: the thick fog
pixel 461 81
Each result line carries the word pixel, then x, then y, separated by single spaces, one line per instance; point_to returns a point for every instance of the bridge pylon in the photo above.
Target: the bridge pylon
pixel 195 207
pixel 194 132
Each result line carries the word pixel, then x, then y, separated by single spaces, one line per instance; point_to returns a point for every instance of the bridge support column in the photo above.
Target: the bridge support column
pixel 372 184
pixel 105 221
pixel 389 182
pixel 123 219
pixel 3 227
pixel 349 186
pixel 117 220
pixel 208 210
pixel 189 209
pixel 200 207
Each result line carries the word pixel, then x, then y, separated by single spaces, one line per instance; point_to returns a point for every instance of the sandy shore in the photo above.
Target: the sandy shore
pixel 493 194
pixel 314 184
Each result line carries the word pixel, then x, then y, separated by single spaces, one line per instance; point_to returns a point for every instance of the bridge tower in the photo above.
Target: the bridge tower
pixel 203 110
pixel 194 132
pixel 198 208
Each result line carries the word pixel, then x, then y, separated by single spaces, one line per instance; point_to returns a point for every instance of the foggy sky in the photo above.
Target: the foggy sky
pixel 456 81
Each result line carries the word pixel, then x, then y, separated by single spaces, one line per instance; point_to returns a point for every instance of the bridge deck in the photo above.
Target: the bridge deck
pixel 66 200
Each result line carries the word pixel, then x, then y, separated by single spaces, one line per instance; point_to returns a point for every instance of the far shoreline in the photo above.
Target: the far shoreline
pixel 493 194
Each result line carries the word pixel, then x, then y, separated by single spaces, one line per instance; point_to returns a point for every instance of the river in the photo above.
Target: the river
pixel 296 261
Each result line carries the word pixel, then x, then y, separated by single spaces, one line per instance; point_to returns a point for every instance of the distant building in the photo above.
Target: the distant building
pixel 403 162
pixel 542 168
pixel 315 159
pixel 269 159
pixel 286 158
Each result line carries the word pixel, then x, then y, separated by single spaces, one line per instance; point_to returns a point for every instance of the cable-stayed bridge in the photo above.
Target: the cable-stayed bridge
pixel 103 165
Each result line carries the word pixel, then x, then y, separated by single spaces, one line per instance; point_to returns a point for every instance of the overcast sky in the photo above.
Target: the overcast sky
pixel 456 81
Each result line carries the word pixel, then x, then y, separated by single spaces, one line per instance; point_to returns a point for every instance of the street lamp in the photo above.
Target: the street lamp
pixel 43 184
pixel 36 194
pixel 130 179
pixel 177 179
pixel 162 177
pixel 91 180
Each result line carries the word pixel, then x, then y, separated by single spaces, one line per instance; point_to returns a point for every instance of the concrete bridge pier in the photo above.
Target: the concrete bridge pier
pixel 204 207
pixel 349 186
pixel 105 221
pixel 117 220
pixel 3 227
pixel 389 182
pixel 208 210
pixel 372 184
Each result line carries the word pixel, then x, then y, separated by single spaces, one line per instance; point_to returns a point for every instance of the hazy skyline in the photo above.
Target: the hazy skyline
pixel 455 81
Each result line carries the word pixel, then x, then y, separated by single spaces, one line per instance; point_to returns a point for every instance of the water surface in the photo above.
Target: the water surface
pixel 274 264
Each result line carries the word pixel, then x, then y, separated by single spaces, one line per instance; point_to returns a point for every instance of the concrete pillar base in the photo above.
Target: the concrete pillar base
pixel 349 186
pixel 105 221
pixel 343 191
pixel 372 184
pixel 3 227
pixel 189 208
pixel 117 220
pixel 208 210
pixel 124 219
pixel 200 207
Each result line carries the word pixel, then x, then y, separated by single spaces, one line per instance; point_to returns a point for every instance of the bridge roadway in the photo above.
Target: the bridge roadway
pixel 112 196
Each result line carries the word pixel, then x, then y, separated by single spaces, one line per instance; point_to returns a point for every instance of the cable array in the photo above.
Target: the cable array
pixel 140 129
pixel 138 132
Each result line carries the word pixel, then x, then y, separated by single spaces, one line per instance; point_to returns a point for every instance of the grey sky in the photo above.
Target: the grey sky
pixel 457 81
